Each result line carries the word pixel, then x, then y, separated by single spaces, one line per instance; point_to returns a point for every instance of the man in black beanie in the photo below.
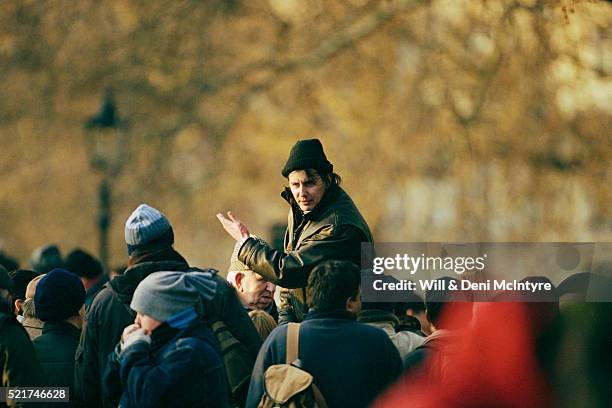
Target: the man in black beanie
pixel 324 224
pixel 58 302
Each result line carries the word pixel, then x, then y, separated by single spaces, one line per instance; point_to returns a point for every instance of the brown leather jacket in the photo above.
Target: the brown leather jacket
pixel 333 230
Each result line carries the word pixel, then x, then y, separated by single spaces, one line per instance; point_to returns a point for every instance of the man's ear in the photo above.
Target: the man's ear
pixel 238 280
pixel 18 303
pixel 352 305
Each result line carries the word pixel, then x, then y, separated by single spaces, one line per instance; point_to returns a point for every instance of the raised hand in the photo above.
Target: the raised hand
pixel 233 226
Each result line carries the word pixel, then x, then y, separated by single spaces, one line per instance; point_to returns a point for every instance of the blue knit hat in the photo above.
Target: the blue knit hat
pixel 146 226
pixel 59 295
pixel 162 295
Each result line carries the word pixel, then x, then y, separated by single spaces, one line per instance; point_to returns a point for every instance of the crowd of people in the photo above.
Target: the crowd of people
pixel 287 326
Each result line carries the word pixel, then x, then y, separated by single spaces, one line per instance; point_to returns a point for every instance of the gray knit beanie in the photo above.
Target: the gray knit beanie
pixel 145 225
pixel 235 263
pixel 164 294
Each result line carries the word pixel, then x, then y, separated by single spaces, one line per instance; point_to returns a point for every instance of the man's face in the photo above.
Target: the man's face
pixel 307 190
pixel 254 291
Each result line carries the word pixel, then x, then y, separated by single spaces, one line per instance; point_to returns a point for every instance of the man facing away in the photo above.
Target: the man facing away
pixel 59 301
pixel 351 362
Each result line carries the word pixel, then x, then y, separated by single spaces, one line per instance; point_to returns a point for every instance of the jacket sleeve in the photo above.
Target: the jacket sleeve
pixel 87 380
pixel 291 270
pixel 172 381
pixel 111 382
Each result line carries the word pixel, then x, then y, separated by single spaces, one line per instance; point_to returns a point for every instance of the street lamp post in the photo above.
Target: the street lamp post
pixel 106 143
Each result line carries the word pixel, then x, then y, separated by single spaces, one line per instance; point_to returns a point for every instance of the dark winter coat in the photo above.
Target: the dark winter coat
pixel 180 368
pixel 110 313
pixel 335 229
pixel 351 362
pixel 55 350
pixel 19 366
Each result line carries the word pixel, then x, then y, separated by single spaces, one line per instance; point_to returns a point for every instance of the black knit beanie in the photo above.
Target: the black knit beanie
pixel 59 295
pixel 307 154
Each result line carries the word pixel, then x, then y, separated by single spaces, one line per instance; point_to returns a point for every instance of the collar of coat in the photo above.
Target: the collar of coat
pixel 331 314
pixel 61 327
pixel 124 285
pixel 377 316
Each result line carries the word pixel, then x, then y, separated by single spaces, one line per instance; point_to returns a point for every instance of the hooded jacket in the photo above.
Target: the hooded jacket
pixel 180 368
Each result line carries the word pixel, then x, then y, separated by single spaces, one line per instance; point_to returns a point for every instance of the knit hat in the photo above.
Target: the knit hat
pixel 164 294
pixel 235 263
pixel 59 295
pixel 307 154
pixel 146 226
pixel 6 282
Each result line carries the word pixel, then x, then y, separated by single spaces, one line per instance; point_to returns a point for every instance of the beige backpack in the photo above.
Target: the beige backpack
pixel 287 385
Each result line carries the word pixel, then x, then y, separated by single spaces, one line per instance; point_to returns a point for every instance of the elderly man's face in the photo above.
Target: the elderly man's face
pixel 307 190
pixel 254 291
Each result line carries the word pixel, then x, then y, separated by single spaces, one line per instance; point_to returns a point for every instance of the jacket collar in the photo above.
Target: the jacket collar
pixel 378 316
pixel 334 314
pixel 32 322
pixel 125 285
pixel 154 254
pixel 61 327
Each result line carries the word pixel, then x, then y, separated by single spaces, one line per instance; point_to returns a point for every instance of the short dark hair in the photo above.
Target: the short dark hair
pixel 331 283
pixel 83 264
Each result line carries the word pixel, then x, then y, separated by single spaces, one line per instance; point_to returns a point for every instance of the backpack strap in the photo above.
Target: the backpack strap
pixel 293 342
pixel 293 353
pixel 318 397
